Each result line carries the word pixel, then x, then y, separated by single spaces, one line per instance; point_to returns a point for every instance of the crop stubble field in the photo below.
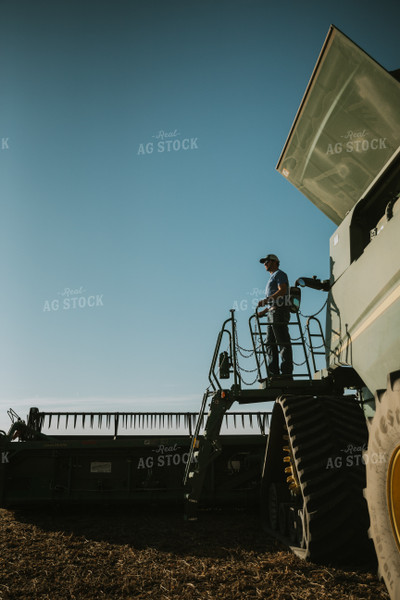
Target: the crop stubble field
pixel 119 554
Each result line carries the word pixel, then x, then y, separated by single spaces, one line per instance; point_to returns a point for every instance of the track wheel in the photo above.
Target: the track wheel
pixel 315 449
pixel 383 484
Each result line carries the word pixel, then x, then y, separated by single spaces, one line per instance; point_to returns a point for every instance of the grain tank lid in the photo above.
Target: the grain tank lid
pixel 346 129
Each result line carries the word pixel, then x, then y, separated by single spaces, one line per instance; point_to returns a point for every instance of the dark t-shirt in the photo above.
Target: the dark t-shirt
pixel 277 278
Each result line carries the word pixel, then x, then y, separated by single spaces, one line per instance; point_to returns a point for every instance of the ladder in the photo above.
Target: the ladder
pixel 203 450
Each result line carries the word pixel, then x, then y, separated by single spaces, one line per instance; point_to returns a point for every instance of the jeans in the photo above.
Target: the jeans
pixel 278 337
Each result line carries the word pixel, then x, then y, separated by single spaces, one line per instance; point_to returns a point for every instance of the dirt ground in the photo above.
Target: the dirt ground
pixel 119 554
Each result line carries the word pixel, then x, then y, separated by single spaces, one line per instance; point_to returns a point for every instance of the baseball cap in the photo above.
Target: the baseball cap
pixel 269 257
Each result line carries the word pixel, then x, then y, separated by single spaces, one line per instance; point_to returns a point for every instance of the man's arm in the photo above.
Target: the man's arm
pixel 281 291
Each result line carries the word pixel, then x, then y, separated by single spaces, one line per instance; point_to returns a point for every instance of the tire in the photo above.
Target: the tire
pixel 328 516
pixel 382 467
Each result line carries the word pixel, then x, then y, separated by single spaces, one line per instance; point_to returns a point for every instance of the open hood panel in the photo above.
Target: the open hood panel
pixel 346 129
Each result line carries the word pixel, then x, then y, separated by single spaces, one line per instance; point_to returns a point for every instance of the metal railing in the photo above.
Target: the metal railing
pixel 212 376
pixel 257 332
pixel 306 356
pixel 315 350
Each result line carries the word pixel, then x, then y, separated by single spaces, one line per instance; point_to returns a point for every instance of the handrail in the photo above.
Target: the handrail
pixel 212 376
pixel 261 349
pixel 236 376
pixel 196 433
pixel 319 334
pixel 256 316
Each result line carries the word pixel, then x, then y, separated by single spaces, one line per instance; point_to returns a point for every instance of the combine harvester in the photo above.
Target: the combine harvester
pixel 331 472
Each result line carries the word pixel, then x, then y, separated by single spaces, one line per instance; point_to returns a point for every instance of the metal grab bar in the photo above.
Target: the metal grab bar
pixel 320 334
pixel 212 376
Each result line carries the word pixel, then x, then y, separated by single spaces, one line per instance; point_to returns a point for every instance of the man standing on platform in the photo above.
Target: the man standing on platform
pixel 278 316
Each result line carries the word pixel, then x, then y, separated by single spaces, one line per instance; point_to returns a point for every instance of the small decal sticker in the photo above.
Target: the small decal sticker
pixel 100 467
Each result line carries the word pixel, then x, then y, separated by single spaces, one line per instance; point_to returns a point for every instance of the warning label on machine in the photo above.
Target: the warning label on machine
pixel 100 467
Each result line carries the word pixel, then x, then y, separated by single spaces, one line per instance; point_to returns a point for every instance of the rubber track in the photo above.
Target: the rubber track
pixel 331 475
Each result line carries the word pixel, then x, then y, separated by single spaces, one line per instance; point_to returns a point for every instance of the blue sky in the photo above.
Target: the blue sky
pixel 120 261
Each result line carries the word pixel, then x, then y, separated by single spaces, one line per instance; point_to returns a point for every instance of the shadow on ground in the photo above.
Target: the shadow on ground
pixel 163 529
